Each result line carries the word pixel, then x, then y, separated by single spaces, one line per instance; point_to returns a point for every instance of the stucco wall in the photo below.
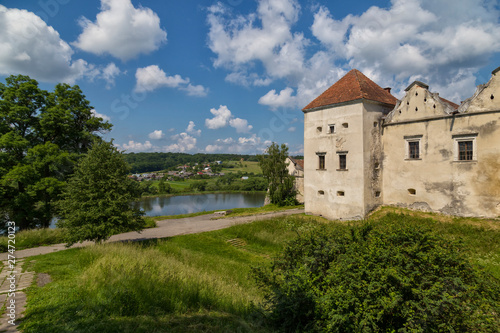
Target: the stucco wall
pixel 437 181
pixel 342 194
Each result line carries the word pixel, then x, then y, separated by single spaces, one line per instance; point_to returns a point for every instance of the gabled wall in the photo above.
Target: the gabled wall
pixel 438 180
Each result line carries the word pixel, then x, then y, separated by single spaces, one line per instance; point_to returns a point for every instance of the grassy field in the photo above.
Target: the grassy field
pixel 243 167
pixel 195 283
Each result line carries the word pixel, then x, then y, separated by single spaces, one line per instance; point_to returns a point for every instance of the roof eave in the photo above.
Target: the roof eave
pixel 359 100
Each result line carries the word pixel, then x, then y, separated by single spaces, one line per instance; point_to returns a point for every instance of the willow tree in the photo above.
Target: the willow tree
pixel 274 167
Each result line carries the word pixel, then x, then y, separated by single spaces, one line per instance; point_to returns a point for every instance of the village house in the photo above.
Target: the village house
pixel 364 148
pixel 296 169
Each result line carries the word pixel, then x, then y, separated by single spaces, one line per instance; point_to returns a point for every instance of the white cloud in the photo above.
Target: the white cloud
pixel 190 129
pixel 184 142
pixel 241 125
pixel 100 115
pixel 241 40
pixel 283 99
pixel 136 147
pixel 109 73
pixel 443 43
pixel 244 145
pixel 439 41
pixel 29 46
pixel 292 129
pixel 153 77
pixel 223 117
pixel 121 30
pixel 156 135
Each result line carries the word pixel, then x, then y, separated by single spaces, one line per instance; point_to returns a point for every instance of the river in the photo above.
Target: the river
pixel 186 204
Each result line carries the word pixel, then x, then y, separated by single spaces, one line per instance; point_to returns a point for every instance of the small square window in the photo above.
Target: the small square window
pixel 319 129
pixel 331 128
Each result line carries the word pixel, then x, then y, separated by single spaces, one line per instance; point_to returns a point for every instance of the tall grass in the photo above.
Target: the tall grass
pixel 33 238
pixel 190 283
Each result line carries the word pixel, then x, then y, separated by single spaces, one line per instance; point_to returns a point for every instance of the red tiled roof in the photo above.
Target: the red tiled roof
pixel 353 86
pixel 297 162
pixel 453 105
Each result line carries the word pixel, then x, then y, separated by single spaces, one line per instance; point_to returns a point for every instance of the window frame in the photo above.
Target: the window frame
pixel 409 141
pixel 321 161
pixel 464 138
pixel 330 126
pixel 342 161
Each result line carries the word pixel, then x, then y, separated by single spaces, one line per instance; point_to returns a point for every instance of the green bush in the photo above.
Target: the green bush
pixel 392 275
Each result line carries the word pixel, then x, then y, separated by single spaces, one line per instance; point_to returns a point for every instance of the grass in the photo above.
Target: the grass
pixel 33 238
pixel 27 239
pixel 243 167
pixel 199 282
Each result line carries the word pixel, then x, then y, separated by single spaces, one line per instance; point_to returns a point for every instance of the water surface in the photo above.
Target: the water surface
pixel 187 204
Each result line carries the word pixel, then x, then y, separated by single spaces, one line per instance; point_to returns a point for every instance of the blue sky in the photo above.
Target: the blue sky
pixel 232 76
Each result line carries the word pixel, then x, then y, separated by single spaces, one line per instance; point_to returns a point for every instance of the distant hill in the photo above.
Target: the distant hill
pixel 148 162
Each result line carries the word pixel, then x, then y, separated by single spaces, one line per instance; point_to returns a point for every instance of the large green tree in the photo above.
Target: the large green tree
pixel 42 134
pixel 97 201
pixel 274 167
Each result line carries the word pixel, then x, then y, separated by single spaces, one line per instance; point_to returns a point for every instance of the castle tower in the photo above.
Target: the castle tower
pixel 342 148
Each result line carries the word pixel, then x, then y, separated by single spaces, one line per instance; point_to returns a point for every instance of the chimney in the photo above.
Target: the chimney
pixel 388 89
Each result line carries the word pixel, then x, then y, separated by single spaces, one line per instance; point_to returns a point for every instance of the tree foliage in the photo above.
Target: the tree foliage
pixel 392 276
pixel 41 136
pixel 274 167
pixel 97 201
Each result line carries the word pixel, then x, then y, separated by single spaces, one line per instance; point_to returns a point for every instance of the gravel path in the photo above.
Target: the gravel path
pixel 165 228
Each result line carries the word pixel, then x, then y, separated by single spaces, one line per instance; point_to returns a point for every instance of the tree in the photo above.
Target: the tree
pixel 274 167
pixel 97 201
pixel 393 275
pixel 42 135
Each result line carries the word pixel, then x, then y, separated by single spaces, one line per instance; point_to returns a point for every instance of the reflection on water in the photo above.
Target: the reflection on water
pixel 158 206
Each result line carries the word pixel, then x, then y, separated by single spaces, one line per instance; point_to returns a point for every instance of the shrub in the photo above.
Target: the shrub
pixel 389 276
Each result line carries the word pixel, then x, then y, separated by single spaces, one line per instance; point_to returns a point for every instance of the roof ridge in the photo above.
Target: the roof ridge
pixel 352 86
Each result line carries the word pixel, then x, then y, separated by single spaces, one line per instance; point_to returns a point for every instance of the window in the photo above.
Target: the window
pixel 465 147
pixel 319 129
pixel 321 161
pixel 465 150
pixel 342 160
pixel 345 125
pixel 340 193
pixel 331 128
pixel 412 149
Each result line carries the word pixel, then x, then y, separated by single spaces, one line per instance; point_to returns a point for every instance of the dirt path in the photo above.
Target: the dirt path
pixel 166 228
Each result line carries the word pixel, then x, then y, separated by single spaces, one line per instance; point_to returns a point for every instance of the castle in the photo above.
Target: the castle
pixel 364 148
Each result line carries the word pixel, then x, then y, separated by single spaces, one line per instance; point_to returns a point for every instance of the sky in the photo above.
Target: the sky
pixel 232 76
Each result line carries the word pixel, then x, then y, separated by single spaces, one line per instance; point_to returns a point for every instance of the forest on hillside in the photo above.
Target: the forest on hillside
pixel 149 162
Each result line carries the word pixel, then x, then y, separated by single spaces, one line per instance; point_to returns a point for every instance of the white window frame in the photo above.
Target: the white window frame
pixel 462 138
pixel 413 138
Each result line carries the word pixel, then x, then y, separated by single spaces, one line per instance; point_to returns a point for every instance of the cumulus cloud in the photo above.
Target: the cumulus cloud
pixel 244 145
pixel 153 77
pixel 415 38
pixel 100 115
pixel 190 129
pixel 121 30
pixel 137 147
pixel 156 135
pixel 184 142
pixel 223 117
pixel 443 43
pixel 30 47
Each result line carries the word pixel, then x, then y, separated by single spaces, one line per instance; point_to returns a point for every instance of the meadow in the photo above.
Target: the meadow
pixel 197 283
